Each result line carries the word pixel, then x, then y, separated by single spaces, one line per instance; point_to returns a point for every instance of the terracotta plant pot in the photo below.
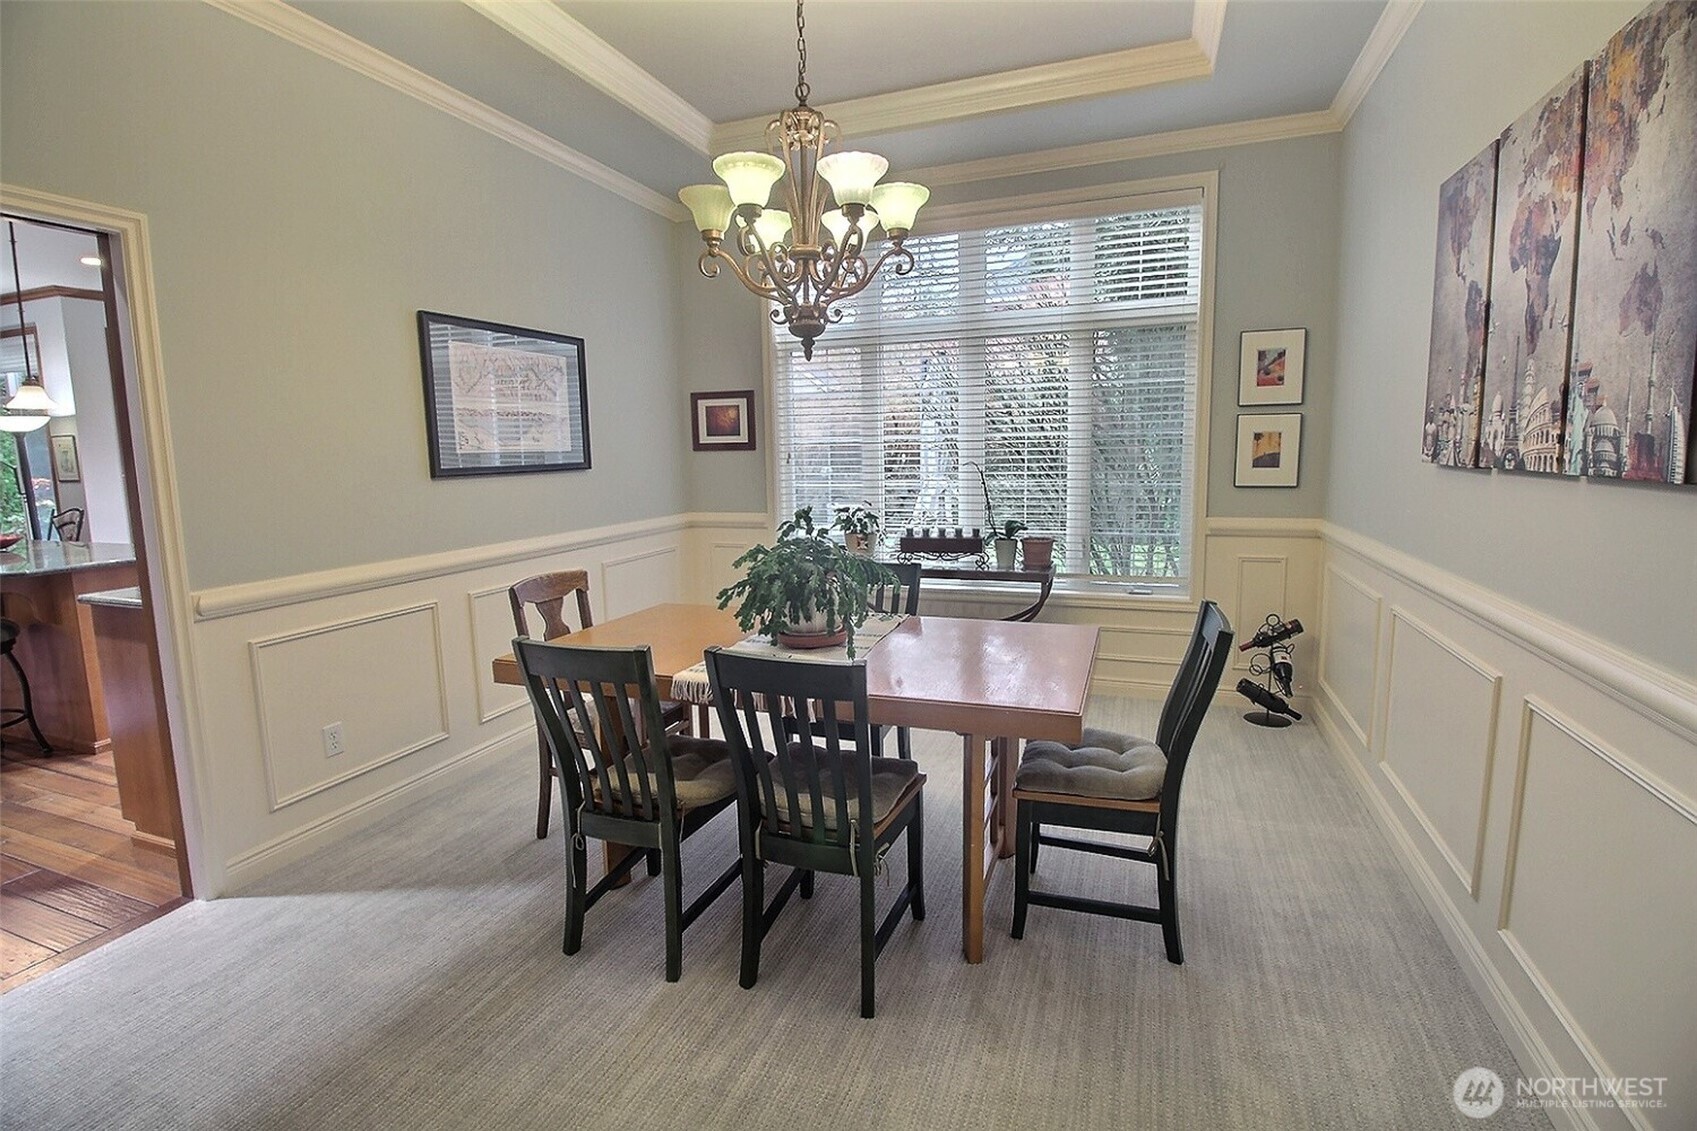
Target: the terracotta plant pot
pixel 1039 553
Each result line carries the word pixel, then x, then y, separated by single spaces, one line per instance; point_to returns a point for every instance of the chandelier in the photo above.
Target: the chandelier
pixel 806 257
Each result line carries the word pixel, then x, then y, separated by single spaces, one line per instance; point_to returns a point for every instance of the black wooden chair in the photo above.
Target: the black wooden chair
pixel 1118 783
pixel 813 803
pixel 67 524
pixel 547 593
pixel 616 785
pixel 901 597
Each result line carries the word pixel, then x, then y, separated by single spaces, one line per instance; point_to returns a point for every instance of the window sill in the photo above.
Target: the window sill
pixel 1070 592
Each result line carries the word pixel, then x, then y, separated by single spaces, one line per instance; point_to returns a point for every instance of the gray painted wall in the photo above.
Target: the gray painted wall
pixel 1614 559
pixel 300 215
pixel 1276 267
pixel 723 327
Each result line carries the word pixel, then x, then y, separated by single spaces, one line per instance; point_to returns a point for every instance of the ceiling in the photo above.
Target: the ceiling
pixel 650 88
pixel 48 256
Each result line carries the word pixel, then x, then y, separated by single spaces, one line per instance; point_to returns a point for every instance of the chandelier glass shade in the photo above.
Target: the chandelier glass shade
pixel 803 255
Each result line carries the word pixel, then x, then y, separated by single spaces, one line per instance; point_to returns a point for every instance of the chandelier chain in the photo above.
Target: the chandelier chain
pixel 802 90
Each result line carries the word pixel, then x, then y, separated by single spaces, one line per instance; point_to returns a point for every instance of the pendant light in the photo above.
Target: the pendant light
pixel 30 407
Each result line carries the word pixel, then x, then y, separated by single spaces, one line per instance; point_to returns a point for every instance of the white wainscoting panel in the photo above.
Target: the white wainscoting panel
pixel 1564 874
pixel 379 676
pixel 1262 587
pixel 1600 900
pixel 1440 739
pixel 491 636
pixel 1349 652
pixel 633 582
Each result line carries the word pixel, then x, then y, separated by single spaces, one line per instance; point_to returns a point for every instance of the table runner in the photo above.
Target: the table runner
pixel 691 684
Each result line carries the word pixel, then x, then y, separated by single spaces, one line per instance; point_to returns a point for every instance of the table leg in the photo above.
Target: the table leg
pixel 973 869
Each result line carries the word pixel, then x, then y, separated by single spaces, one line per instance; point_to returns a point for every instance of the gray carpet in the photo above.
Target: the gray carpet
pixel 412 977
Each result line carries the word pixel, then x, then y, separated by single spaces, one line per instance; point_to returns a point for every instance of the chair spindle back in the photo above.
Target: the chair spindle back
pixel 583 701
pixel 1192 693
pixel 806 706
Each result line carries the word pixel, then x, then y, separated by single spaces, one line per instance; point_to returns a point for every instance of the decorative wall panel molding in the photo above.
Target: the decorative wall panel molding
pixel 491 636
pixel 1599 904
pixel 380 677
pixel 1349 650
pixel 1440 739
pixel 636 581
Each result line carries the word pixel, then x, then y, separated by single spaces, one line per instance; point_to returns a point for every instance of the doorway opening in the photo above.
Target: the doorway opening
pixel 91 821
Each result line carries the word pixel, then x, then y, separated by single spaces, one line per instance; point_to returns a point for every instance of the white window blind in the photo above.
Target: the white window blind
pixel 1060 355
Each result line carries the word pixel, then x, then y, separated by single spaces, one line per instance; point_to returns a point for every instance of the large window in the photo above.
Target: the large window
pixel 1057 355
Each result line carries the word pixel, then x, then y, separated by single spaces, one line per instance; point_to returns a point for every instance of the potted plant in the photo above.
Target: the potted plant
pixel 1005 538
pixel 806 591
pixel 859 525
pixel 1038 552
pixel 1003 535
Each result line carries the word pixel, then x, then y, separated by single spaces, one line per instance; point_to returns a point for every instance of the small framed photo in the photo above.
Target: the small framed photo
pixel 723 421
pixel 66 469
pixel 1269 447
pixel 502 399
pixel 1270 366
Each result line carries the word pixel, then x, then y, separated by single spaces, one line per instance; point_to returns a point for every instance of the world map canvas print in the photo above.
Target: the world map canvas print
pixel 1635 321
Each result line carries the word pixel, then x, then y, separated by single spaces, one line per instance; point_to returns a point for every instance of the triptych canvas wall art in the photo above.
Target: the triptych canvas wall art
pixel 1564 327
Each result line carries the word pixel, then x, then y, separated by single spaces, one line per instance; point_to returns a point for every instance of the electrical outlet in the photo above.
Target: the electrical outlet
pixel 333 744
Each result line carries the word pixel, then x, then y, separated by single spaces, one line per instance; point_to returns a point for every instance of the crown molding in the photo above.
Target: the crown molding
pixel 573 46
pixel 1393 23
pixel 1089 77
pixel 1207 21
pixel 1222 136
pixel 302 30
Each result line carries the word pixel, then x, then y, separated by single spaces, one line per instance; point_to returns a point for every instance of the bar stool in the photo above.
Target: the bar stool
pixel 11 716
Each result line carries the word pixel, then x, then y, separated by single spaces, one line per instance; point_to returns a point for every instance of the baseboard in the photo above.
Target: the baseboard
pixel 1532 1055
pixel 298 843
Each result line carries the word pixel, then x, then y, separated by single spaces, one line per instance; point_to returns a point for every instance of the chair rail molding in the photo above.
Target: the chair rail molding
pixel 248 597
pixel 1653 692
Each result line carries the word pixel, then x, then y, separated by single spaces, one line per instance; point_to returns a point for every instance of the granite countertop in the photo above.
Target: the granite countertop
pixel 28 558
pixel 114 598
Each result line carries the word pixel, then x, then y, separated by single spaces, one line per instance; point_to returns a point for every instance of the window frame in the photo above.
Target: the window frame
pixel 1078 204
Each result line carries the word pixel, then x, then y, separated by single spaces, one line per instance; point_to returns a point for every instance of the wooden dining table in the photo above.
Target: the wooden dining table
pixel 991 682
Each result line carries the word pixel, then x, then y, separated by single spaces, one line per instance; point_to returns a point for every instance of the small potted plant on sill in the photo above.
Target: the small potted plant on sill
pixel 1006 540
pixel 806 591
pixel 859 526
pixel 1002 535
pixel 1037 552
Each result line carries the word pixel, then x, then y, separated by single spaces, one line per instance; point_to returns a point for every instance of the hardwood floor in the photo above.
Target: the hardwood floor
pixel 71 878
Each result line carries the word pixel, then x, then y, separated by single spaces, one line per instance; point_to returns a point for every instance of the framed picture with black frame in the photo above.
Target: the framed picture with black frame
pixel 502 399
pixel 1269 448
pixel 1271 366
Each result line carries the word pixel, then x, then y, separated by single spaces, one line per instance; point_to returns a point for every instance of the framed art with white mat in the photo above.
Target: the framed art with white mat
pixel 1271 365
pixel 1269 446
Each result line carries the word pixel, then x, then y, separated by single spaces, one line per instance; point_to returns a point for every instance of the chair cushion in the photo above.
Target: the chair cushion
pixel 1103 764
pixel 701 771
pixel 891 778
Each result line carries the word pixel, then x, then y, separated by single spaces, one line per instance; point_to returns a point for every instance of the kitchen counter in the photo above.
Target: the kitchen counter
pixel 40 583
pixel 129 598
pixel 28 559
pixel 135 712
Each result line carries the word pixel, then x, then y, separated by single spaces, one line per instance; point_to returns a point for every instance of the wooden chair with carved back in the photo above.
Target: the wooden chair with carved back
pixel 547 594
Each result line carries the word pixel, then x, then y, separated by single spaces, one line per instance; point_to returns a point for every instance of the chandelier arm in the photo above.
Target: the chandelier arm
pixel 904 264
pixel 711 270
